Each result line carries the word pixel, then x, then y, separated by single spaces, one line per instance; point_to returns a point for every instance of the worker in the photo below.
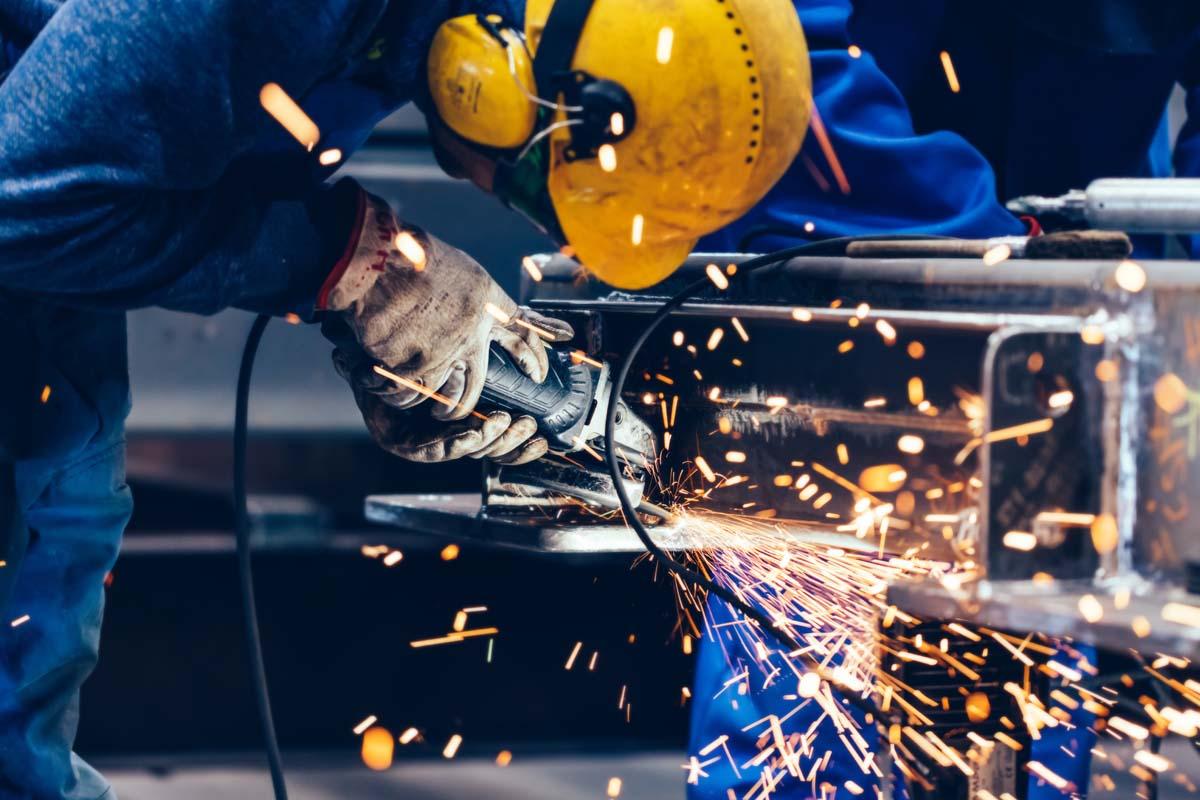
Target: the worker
pixel 151 155
pixel 875 174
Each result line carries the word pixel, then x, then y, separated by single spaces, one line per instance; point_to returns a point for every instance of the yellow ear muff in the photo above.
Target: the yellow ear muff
pixel 475 92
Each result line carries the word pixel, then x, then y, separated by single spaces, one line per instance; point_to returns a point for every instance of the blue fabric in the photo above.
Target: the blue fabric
pixel 136 159
pixel 77 510
pixel 898 181
pixel 731 711
pixel 1078 739
pixel 721 710
pixel 1049 115
pixel 1187 146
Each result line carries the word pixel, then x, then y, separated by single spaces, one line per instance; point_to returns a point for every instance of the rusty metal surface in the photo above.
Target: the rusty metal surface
pixel 1022 606
pixel 1114 451
pixel 1117 452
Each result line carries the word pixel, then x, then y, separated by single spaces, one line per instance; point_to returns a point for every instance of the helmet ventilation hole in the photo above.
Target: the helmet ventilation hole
pixel 753 80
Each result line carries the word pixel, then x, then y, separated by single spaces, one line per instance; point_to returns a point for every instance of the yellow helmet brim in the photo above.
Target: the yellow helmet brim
pixel 610 254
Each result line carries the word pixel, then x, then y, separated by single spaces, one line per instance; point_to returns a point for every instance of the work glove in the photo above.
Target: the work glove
pixel 427 312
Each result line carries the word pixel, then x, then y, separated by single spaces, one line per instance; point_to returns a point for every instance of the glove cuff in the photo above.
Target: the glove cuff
pixel 371 245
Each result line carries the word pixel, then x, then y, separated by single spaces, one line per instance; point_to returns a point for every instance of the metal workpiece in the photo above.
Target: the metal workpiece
pixel 1059 421
pixel 1017 286
pixel 1106 491
pixel 460 517
pixel 1132 615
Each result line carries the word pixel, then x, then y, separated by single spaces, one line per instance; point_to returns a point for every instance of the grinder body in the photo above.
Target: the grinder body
pixel 569 405
pixel 560 404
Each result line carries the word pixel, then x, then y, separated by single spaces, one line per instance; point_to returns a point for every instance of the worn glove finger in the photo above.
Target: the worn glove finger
pixel 351 367
pixel 452 389
pixel 517 434
pixel 559 331
pixel 529 358
pixel 531 450
pixel 397 396
pixel 413 436
pixel 473 375
pixel 359 372
pixel 538 345
pixel 343 363
pixel 446 443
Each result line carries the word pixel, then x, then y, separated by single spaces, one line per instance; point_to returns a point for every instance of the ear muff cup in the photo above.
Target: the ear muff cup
pixel 472 87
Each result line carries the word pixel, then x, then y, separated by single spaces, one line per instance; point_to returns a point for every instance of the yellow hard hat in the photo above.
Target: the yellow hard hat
pixel 658 121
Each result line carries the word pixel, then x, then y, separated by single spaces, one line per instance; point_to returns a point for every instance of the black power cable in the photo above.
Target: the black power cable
pixel 258 673
pixel 628 507
pixel 769 229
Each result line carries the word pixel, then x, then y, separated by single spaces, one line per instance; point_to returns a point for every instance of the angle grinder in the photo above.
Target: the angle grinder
pixel 569 406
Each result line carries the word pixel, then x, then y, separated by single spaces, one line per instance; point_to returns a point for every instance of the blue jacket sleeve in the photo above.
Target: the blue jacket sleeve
pixel 121 130
pixel 894 180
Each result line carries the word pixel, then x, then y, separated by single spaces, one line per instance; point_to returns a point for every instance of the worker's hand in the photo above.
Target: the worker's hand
pixel 428 312
pixel 415 435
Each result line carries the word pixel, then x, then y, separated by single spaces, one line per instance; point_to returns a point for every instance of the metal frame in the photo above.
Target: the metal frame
pixel 1011 299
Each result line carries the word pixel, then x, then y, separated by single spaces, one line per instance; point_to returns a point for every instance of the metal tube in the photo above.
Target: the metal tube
pixel 1144 205
pixel 950 320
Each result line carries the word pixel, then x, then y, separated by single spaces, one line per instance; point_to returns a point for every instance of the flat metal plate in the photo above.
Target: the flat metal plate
pixel 460 516
pixel 1022 606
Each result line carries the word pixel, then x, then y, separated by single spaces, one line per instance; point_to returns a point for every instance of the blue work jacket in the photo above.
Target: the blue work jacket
pixel 138 168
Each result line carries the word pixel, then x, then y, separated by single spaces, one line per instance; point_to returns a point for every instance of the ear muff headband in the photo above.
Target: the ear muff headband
pixel 559 40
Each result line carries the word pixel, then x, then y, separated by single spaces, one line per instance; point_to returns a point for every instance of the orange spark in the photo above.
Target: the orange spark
pixel 951 75
pixel 283 108
pixel 835 166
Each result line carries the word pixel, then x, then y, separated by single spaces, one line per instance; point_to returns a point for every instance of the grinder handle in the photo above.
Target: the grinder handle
pixel 559 404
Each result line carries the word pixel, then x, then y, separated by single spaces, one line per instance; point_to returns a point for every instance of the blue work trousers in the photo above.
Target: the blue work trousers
pixel 75 512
